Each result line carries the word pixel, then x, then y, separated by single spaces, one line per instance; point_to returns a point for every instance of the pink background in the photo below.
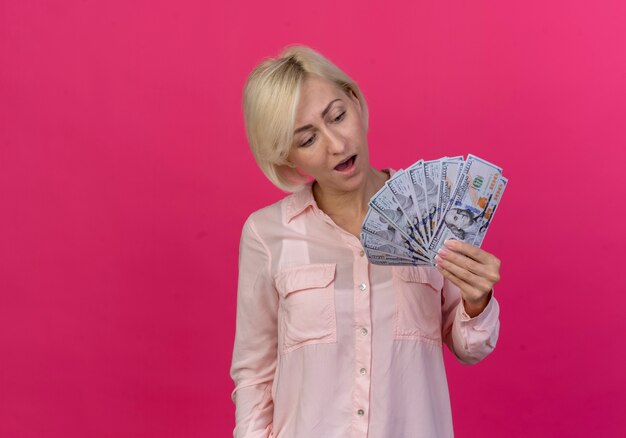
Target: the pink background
pixel 125 179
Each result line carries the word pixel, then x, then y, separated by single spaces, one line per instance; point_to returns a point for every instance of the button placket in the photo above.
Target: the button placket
pixel 363 357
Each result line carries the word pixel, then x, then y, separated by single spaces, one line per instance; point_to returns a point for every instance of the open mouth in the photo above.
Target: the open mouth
pixel 346 164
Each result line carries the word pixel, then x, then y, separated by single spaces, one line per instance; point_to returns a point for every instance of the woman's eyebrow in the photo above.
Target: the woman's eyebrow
pixel 328 107
pixel 309 126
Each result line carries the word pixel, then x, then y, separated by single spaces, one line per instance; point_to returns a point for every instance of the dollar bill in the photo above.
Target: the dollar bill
pixel 400 186
pixel 490 211
pixel 372 242
pixel 374 256
pixel 416 176
pixel 469 200
pixel 432 169
pixel 379 225
pixel 383 259
pixel 450 176
pixel 386 204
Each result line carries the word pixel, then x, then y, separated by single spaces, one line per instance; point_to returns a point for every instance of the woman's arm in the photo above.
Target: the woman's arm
pixel 470 312
pixel 255 350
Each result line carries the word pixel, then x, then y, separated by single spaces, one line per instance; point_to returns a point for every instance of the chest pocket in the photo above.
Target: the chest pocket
pixel 307 305
pixel 418 303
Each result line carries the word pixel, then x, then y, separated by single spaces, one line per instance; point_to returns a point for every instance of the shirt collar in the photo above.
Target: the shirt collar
pixel 300 201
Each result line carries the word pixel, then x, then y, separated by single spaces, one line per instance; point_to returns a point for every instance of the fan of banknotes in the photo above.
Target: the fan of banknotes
pixel 421 207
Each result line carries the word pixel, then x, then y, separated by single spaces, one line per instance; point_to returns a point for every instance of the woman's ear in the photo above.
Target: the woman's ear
pixel 289 162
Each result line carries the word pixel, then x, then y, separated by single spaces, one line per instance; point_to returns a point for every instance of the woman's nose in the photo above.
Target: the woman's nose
pixel 336 142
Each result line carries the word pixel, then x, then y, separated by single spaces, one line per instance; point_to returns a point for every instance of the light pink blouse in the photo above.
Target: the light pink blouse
pixel 331 346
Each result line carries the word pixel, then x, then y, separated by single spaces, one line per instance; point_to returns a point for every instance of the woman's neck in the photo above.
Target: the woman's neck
pixel 348 209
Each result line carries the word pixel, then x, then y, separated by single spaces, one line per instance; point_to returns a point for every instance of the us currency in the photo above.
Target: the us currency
pixel 376 246
pixel 379 225
pixel 431 184
pixel 400 186
pixel 387 260
pixel 416 176
pixel 469 201
pixel 375 255
pixel 372 242
pixel 386 204
pixel 491 210
pixel 450 173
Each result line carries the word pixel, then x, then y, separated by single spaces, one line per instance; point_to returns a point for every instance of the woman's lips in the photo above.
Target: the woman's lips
pixel 346 164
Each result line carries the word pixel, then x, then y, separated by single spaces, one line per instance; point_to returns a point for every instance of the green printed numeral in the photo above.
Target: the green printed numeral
pixel 478 181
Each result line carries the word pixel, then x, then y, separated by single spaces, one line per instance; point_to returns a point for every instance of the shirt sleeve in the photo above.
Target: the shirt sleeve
pixel 255 349
pixel 470 339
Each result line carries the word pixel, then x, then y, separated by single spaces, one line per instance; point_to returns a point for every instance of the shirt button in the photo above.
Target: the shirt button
pixel 363 371
pixel 361 253
pixel 360 412
pixel 362 286
pixel 363 331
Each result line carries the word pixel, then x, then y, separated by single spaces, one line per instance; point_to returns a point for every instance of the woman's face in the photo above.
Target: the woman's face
pixel 330 138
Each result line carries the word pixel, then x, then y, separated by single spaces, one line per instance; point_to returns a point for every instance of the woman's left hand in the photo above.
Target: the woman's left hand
pixel 473 270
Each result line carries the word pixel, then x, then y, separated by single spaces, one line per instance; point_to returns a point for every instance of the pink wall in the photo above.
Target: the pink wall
pixel 125 179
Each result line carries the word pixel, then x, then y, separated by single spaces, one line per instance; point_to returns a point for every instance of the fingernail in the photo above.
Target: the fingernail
pixel 450 243
pixel 438 259
pixel 443 252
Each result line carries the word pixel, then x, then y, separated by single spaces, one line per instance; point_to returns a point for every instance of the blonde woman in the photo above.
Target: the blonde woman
pixel 328 345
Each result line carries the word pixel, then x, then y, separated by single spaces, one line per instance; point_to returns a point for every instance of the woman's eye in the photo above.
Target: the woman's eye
pixel 309 141
pixel 340 117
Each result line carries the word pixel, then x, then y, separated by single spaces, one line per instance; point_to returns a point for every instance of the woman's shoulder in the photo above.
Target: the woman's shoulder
pixel 281 212
pixel 269 212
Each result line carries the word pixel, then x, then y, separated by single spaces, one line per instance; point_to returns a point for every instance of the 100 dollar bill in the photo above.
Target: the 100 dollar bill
pixel 432 170
pixel 491 210
pixel 379 225
pixel 465 215
pixel 450 173
pixel 372 242
pixel 416 176
pixel 400 186
pixel 386 204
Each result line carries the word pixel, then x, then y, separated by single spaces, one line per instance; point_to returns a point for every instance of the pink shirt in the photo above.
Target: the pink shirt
pixel 331 346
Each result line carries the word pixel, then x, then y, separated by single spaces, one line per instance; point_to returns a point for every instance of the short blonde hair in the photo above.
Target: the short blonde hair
pixel 270 98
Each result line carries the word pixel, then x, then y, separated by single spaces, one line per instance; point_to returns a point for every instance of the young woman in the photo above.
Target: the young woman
pixel 327 344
